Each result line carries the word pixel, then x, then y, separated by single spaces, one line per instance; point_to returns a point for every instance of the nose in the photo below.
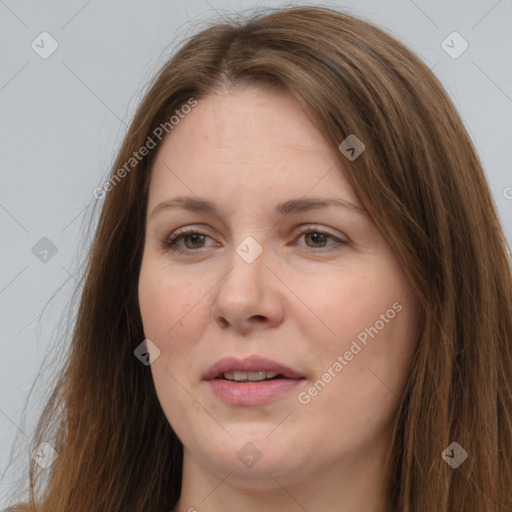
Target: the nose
pixel 248 297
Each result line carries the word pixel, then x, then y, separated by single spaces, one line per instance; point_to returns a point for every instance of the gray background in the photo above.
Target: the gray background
pixel 62 120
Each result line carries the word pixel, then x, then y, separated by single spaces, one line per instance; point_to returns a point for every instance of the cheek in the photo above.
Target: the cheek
pixel 167 304
pixel 166 301
pixel 161 313
pixel 370 319
pixel 340 304
pixel 377 347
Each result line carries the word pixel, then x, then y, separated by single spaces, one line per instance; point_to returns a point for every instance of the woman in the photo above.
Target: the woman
pixel 299 295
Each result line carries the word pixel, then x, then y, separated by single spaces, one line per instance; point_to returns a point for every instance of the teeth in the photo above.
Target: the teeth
pixel 249 376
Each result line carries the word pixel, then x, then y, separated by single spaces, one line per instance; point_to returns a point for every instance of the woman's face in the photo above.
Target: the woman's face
pixel 275 282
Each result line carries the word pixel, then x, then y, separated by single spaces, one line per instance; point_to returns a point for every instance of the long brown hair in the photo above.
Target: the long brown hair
pixel 422 184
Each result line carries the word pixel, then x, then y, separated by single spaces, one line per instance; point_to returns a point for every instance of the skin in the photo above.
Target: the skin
pixel 302 302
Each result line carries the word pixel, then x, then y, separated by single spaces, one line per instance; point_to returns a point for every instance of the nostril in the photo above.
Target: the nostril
pixel 223 322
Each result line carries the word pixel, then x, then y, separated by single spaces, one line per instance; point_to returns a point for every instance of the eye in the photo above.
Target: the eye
pixel 192 238
pixel 318 238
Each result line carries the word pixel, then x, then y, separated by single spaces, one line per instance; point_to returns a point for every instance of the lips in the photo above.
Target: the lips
pixel 252 381
pixel 233 366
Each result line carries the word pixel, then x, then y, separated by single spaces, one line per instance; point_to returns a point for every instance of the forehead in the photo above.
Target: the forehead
pixel 248 143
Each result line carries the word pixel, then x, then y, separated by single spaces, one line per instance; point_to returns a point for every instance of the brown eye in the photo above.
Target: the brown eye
pixel 316 239
pixel 195 239
pixel 192 240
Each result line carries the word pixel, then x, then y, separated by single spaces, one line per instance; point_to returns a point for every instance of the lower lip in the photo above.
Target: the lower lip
pixel 254 393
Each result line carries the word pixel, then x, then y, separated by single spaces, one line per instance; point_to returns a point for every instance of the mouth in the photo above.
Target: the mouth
pixel 258 376
pixel 251 381
pixel 250 369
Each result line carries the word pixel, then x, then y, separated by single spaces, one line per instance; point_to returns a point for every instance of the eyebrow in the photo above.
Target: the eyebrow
pixel 196 204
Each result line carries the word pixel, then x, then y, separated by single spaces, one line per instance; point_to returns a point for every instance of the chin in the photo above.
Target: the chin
pixel 253 461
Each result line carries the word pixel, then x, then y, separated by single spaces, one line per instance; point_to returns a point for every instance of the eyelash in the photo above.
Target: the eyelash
pixel 170 244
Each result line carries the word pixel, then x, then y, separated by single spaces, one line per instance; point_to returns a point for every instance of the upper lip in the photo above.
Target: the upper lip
pixel 249 364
